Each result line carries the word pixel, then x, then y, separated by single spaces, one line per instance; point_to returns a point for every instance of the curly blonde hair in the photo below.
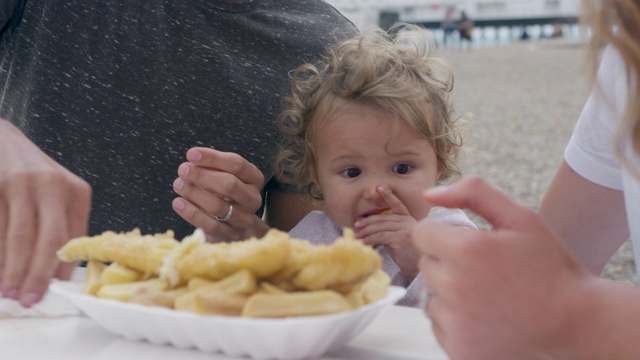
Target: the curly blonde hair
pixel 395 71
pixel 617 22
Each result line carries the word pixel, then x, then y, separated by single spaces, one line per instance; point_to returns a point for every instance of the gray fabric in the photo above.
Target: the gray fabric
pixel 318 228
pixel 118 91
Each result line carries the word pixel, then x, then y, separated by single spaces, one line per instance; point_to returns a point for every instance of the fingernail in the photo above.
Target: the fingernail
pixel 194 155
pixel 183 170
pixel 12 294
pixel 178 184
pixel 28 299
pixel 179 204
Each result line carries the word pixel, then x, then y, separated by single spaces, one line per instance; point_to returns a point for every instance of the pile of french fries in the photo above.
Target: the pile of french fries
pixel 271 277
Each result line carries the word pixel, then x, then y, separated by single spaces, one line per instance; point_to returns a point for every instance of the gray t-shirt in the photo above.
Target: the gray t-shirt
pixel 118 91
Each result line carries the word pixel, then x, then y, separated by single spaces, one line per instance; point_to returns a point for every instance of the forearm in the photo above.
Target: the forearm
pixel 605 325
pixel 589 218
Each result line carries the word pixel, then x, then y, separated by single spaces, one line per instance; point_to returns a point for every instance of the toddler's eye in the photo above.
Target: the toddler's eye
pixel 401 168
pixel 351 172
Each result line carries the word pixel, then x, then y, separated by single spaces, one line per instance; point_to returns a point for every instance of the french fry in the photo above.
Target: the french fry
pixel 117 273
pixel 303 303
pixel 140 252
pixel 271 288
pixel 93 273
pixel 211 302
pixel 370 290
pixel 198 282
pixel 156 297
pixel 125 291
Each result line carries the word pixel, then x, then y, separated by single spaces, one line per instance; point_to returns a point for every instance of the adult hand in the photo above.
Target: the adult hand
pixel 212 181
pixel 510 293
pixel 42 206
pixel 393 231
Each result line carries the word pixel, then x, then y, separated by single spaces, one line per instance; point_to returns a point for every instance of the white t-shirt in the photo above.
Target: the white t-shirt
pixel 591 151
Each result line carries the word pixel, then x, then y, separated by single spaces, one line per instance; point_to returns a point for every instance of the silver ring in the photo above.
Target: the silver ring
pixel 227 216
pixel 424 299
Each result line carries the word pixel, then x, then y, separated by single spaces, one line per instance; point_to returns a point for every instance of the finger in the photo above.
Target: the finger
pixel 53 232
pixel 211 204
pixel 477 195
pixel 396 205
pixel 78 211
pixel 438 240
pixel 20 239
pixel 217 229
pixel 3 238
pixel 223 184
pixel 226 162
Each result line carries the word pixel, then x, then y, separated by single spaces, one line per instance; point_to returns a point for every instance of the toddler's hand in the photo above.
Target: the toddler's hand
pixel 392 230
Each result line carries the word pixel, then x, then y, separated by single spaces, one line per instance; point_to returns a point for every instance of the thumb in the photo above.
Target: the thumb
pixel 475 194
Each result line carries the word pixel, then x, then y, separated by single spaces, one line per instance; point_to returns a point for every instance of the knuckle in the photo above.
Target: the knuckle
pixel 236 164
pixel 228 185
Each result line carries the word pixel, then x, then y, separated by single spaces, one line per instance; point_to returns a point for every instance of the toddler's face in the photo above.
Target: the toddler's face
pixel 359 147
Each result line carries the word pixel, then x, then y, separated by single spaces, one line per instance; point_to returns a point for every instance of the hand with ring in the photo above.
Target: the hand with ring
pixel 226 216
pixel 220 193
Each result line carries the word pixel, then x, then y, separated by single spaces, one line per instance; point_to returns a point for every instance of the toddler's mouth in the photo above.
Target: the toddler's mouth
pixel 376 212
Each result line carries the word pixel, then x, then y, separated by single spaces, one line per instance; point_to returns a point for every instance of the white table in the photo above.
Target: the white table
pixel 398 333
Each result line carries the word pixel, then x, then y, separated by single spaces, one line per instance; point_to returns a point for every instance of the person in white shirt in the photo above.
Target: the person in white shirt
pixel 530 288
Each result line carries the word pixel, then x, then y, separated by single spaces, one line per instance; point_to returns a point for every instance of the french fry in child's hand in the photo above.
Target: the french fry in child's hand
pixel 93 273
pixel 157 297
pixel 211 302
pixel 125 291
pixel 117 273
pixel 304 303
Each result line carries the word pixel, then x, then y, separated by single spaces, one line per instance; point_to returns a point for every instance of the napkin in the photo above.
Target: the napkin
pixel 52 305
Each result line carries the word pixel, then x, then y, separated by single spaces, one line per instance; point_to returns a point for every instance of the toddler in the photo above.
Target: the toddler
pixel 365 132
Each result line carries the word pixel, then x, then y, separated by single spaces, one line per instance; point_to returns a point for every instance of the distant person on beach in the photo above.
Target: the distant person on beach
pixel 448 26
pixel 364 132
pixel 465 29
pixel 557 31
pixel 530 288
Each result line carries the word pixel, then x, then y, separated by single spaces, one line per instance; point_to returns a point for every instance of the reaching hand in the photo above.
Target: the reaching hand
pixel 220 193
pixel 503 294
pixel 393 231
pixel 42 206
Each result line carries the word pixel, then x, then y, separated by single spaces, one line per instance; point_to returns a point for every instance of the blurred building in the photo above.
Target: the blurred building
pixel 485 13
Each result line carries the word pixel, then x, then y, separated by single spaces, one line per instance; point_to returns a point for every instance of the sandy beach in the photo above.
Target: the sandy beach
pixel 525 98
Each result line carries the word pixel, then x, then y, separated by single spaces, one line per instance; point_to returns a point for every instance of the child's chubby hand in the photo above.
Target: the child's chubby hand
pixel 391 228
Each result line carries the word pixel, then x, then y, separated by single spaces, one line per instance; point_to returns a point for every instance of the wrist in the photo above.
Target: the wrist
pixel 601 323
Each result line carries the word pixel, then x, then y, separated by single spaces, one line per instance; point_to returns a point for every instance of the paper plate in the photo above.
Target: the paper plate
pixel 282 339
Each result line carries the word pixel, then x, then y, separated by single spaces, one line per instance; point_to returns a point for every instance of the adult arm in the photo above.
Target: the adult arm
pixel 590 219
pixel 42 205
pixel 516 292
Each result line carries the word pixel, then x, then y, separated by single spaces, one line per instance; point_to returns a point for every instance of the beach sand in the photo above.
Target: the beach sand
pixel 525 98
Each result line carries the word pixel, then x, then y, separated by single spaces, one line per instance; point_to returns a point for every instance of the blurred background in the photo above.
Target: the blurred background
pixel 520 83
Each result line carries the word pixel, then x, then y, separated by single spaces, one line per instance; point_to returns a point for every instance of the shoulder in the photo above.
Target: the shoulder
pixel 591 151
